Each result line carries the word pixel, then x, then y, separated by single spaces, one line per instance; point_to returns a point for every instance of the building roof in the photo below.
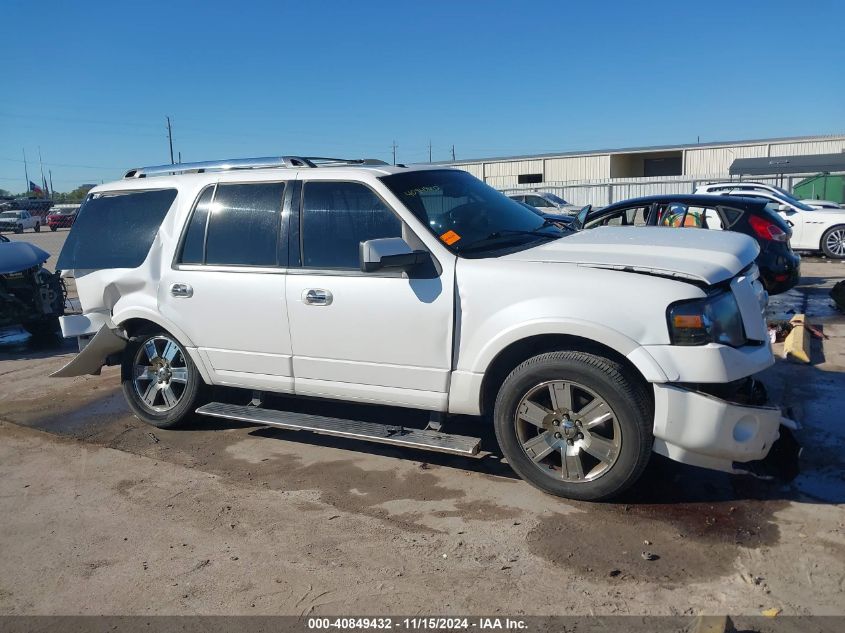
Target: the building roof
pixel 788 165
pixel 645 148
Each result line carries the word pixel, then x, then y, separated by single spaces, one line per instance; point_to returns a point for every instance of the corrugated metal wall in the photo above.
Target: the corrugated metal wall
pixel 586 178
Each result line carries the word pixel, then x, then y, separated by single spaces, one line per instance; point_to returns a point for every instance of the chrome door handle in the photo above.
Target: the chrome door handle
pixel 316 297
pixel 181 290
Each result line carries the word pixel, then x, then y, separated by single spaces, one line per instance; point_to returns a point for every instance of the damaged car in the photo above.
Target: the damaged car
pixel 31 298
pixel 422 287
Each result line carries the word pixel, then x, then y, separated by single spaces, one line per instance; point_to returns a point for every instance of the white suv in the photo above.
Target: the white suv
pixel 813 229
pixel 423 288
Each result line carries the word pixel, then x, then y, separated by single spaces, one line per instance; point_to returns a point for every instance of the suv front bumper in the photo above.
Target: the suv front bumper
pixel 730 432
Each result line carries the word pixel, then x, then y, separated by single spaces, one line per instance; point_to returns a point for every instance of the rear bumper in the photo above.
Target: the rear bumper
pixel 723 432
pixel 780 272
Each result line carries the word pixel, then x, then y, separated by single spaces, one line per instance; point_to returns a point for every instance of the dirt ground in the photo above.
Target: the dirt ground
pixel 102 514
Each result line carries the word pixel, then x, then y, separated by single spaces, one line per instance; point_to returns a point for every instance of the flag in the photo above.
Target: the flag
pixel 35 188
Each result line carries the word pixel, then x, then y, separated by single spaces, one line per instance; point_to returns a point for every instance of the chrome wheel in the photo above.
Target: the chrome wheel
pixel 160 374
pixel 835 242
pixel 568 431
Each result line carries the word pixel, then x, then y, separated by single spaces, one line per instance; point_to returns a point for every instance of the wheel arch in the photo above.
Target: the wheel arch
pixel 140 320
pixel 640 365
pixel 840 225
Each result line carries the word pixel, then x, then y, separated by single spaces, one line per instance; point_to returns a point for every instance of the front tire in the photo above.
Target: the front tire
pixel 833 242
pixel 160 381
pixel 37 228
pixel 574 425
pixel 53 228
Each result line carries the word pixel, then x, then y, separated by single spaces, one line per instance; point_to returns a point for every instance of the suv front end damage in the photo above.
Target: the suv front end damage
pixel 713 413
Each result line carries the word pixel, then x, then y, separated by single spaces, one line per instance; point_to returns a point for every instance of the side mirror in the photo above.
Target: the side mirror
pixel 785 208
pixel 581 218
pixel 389 252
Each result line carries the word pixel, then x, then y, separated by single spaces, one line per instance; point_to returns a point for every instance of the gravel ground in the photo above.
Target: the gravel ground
pixel 102 514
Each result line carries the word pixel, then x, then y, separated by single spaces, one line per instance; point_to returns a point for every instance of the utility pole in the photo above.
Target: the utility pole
pixel 394 152
pixel 429 151
pixel 50 171
pixel 180 158
pixel 25 171
pixel 43 179
pixel 453 152
pixel 170 138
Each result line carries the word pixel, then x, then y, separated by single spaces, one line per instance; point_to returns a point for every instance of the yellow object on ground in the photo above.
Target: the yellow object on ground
pixel 797 342
pixel 710 624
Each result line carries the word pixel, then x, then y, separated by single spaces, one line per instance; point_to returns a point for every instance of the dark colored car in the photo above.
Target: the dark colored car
pixel 61 219
pixel 780 267
pixel 31 297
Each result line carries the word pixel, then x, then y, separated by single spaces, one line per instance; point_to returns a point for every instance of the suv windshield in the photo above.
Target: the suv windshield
pixel 466 214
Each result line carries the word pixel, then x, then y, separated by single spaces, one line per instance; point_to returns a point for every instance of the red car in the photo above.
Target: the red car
pixel 61 218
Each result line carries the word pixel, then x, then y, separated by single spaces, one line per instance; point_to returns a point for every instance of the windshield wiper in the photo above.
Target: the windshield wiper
pixel 495 236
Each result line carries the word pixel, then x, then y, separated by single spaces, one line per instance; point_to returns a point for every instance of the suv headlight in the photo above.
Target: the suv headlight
pixel 714 319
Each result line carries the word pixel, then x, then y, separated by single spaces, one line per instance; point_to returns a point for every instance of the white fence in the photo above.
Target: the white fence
pixel 603 192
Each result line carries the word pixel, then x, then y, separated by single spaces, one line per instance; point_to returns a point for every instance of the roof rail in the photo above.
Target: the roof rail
pixel 249 163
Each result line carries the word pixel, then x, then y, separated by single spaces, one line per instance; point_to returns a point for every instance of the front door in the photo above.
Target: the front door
pixel 381 337
pixel 227 286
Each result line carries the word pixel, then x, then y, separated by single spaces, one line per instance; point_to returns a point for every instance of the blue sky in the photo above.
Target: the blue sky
pixel 90 83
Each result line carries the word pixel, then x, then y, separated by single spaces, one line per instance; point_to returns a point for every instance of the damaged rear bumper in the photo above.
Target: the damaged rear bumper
pixel 98 339
pixel 726 427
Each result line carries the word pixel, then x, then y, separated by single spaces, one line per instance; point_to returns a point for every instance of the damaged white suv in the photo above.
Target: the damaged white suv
pixel 424 288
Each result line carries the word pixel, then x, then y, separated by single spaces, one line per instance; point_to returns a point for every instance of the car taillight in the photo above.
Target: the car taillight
pixel 767 230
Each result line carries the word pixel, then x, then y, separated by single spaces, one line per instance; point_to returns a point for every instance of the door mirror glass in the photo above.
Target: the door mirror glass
pixel 389 252
pixel 581 219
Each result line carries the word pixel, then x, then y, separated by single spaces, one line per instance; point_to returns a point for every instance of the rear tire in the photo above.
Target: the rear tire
pixel 160 381
pixel 37 228
pixel 574 425
pixel 53 228
pixel 833 242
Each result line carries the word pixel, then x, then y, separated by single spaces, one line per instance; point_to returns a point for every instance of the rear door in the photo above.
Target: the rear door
pixel 378 337
pixel 226 287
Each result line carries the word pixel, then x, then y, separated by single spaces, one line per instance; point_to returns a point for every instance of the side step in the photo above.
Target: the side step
pixel 353 429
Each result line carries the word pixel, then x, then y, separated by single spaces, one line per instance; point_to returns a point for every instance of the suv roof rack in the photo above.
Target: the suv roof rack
pixel 249 163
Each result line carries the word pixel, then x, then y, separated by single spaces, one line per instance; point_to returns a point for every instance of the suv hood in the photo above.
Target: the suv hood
pixel 694 254
pixel 18 256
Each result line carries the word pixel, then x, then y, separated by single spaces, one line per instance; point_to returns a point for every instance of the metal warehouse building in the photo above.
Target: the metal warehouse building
pixel 600 177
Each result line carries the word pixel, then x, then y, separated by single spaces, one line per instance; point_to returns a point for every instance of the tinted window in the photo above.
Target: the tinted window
pixel 115 230
pixel 336 218
pixel 193 249
pixel 243 229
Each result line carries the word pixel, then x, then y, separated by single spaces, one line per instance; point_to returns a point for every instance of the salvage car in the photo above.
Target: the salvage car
pixel 812 229
pixel 546 202
pixel 31 297
pixel 19 221
pixel 61 219
pixel 780 267
pixel 422 287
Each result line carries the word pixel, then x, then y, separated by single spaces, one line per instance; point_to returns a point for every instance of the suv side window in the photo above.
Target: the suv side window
pixel 193 246
pixel 336 218
pixel 244 225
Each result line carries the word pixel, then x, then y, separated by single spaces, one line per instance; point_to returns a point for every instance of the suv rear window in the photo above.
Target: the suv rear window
pixel 115 230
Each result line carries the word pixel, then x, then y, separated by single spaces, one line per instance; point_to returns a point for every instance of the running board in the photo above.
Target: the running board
pixel 353 429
